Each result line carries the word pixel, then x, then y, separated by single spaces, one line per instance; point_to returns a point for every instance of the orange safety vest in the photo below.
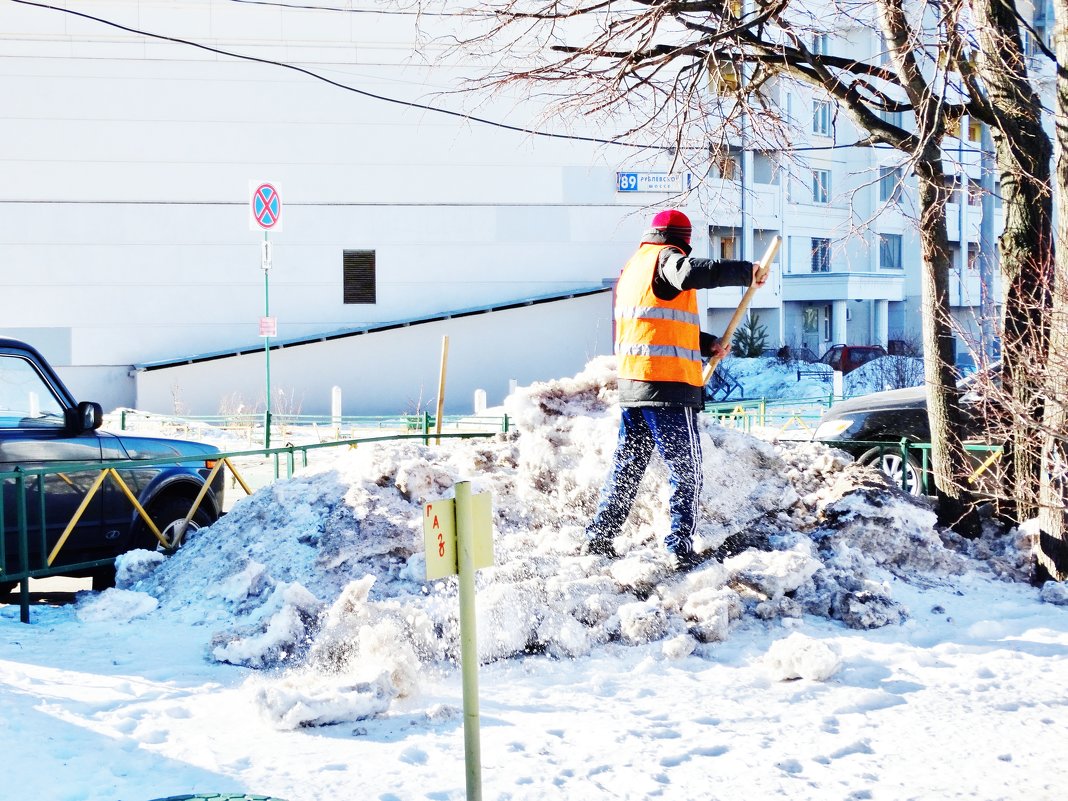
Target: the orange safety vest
pixel 656 340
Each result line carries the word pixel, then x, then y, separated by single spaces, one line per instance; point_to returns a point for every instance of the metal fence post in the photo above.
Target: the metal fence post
pixel 904 464
pixel 24 545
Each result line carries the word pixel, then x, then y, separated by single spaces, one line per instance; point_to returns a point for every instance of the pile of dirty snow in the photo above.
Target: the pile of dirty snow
pixel 323 574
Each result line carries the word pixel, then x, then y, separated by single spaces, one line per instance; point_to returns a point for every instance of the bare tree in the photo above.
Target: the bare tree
pixel 1003 96
pixel 699 77
pixel 1052 551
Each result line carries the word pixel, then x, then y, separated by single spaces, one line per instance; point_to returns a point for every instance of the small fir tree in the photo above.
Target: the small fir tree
pixel 751 338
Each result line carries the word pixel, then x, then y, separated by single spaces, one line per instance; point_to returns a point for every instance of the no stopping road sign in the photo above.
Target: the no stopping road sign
pixel 266 207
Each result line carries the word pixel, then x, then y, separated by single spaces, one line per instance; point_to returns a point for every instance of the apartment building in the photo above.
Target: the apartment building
pixel 849 270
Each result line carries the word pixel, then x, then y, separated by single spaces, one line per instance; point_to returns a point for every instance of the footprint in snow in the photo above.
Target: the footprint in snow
pixel 414 756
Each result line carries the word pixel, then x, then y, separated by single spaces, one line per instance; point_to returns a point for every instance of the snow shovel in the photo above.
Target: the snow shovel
pixel 743 304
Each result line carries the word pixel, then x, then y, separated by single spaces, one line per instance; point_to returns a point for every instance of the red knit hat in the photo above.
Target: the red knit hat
pixel 673 223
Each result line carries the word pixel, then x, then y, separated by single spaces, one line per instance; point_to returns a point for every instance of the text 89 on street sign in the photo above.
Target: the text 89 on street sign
pixel 652 181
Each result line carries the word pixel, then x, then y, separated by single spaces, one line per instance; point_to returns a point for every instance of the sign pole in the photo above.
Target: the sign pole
pixel 267 339
pixel 266 208
pixel 458 537
pixel 465 559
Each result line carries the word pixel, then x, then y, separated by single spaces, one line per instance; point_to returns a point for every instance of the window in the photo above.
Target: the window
pixel 973 133
pixel 890 184
pixel 1029 44
pixel 726 166
pixel 821 186
pixel 958 188
pixel 890 251
pixel 821 44
pixel 727 248
pixel 883 50
pixel 358 276
pixel 952 185
pixel 765 168
pixel 26 399
pixel 821 117
pixel 723 77
pixel 892 117
pixel 973 259
pixel 821 255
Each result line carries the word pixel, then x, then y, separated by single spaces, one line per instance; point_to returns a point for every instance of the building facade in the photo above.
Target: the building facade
pixel 134 134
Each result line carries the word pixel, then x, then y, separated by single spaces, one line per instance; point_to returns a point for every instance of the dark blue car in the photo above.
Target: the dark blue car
pixel 43 426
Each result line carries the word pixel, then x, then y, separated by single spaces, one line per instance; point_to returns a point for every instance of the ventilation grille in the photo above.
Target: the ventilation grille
pixel 358 267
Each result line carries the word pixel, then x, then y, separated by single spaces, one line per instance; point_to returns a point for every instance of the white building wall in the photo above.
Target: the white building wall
pixel 126 166
pixel 396 371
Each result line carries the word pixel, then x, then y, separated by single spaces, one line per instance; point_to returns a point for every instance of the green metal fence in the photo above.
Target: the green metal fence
pixel 799 414
pixel 19 483
pixel 910 462
pixel 327 425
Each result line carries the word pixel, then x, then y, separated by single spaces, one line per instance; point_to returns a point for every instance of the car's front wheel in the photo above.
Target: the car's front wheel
pixel 169 516
pixel 906 472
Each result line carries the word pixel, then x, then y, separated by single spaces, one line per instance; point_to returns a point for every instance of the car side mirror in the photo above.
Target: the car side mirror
pixel 87 417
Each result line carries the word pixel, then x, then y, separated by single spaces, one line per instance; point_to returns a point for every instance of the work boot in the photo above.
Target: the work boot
pixel 599 545
pixel 732 546
pixel 688 560
pixel 681 548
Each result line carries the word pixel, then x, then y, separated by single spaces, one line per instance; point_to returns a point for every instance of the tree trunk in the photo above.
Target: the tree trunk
pixel 1023 161
pixel 939 343
pixel 1052 548
pixel 943 411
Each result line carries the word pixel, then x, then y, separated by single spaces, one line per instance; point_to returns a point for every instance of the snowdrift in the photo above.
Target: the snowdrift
pixel 321 577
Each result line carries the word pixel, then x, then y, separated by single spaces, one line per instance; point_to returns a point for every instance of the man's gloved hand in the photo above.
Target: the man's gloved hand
pixel 712 347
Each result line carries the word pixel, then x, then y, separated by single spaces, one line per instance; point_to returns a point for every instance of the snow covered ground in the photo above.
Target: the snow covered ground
pixel 852 651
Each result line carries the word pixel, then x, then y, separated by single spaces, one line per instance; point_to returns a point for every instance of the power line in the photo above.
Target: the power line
pixel 384 98
pixel 339 10
pixel 362 92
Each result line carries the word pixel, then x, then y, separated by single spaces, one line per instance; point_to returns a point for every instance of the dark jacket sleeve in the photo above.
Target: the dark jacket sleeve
pixel 676 273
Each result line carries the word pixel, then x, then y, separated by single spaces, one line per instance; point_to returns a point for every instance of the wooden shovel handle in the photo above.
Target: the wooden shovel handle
pixel 743 304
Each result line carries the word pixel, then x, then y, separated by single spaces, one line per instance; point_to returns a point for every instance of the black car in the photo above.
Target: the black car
pixel 43 426
pixel 857 425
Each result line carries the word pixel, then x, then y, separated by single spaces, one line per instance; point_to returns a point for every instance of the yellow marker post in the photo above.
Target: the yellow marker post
pixel 458 535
